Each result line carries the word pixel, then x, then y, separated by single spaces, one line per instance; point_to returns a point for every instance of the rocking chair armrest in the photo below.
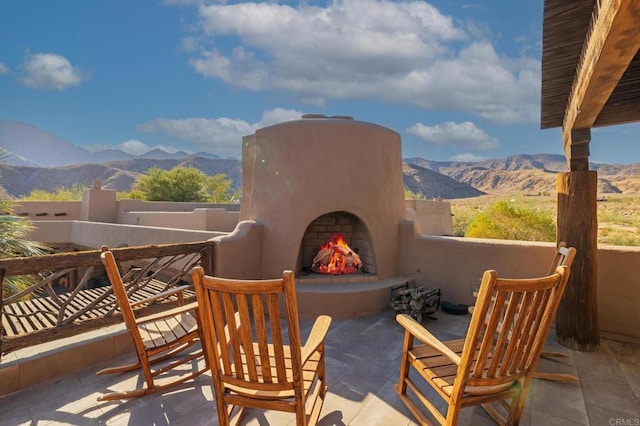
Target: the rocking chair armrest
pixel 316 337
pixel 419 332
pixel 190 307
pixel 162 295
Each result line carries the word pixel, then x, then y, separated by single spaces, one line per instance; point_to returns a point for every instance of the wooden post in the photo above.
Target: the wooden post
pixel 208 259
pixel 577 224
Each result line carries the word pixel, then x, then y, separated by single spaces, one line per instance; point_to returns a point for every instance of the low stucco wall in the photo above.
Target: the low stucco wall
pixel 94 235
pixel 239 254
pixel 206 219
pixel 455 265
pixel 430 217
pixel 130 204
pixel 48 210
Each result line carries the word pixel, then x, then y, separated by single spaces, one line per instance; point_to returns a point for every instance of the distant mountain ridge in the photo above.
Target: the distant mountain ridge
pixel 119 175
pixel 530 173
pixel 28 145
pixel 41 160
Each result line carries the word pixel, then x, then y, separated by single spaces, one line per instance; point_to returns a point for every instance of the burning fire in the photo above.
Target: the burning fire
pixel 336 257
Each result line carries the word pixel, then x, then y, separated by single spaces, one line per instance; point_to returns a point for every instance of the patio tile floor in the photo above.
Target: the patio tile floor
pixel 362 367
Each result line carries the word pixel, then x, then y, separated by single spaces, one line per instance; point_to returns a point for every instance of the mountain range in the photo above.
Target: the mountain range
pixel 28 145
pixel 40 160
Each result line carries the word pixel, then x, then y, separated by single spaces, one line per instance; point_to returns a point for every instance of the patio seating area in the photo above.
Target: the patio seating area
pixel 363 358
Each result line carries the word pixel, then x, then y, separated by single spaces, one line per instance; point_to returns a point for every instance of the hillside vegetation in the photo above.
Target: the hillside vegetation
pixel 618 218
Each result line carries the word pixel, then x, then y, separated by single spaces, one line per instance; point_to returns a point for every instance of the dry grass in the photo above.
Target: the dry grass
pixel 618 217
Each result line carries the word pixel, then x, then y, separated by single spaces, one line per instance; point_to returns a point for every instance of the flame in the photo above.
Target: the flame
pixel 336 257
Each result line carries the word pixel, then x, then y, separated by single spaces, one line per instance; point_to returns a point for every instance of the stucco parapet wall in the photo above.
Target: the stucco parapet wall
pixel 95 234
pixel 455 265
pixel 239 254
pixel 48 210
pixel 431 217
pixel 204 219
pixel 128 205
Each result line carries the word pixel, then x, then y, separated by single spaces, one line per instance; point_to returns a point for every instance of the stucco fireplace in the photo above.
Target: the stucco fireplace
pixel 303 177
pixel 297 172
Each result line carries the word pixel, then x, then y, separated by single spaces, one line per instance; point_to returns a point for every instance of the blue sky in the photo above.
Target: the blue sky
pixel 458 80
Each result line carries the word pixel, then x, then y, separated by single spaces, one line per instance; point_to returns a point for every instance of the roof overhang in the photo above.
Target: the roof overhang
pixel 590 69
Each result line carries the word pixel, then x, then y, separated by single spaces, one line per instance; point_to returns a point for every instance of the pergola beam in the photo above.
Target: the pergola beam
pixel 612 42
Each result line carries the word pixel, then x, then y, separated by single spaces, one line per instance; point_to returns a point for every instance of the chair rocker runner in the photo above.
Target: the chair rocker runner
pixel 164 342
pixel 494 365
pixel 256 357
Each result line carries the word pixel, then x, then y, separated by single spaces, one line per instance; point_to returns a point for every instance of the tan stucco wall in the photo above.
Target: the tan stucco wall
pixel 430 217
pixel 99 205
pixel 94 234
pixel 455 265
pixel 130 205
pixel 239 254
pixel 619 290
pixel 48 210
pixel 297 171
pixel 204 219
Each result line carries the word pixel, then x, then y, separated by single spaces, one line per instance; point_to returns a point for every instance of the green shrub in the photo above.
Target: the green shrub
pixel 61 193
pixel 183 184
pixel 619 237
pixel 504 221
pixel 410 195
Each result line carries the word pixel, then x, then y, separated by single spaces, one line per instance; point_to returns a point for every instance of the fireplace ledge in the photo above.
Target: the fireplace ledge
pixel 351 299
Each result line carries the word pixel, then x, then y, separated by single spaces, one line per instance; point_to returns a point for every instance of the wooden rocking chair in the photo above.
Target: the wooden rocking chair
pixel 246 346
pixel 563 257
pixel 493 366
pixel 161 339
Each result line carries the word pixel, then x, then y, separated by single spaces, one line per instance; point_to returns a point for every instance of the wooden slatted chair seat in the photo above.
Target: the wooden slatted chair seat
pixel 164 341
pixel 254 349
pixel 309 375
pixel 495 362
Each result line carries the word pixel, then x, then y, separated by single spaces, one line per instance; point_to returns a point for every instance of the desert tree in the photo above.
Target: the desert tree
pixel 182 184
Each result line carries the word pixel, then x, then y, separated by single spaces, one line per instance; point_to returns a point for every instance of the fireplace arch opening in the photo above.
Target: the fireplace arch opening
pixel 325 229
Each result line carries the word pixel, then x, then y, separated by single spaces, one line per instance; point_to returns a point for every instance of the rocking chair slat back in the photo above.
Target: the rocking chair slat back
pixel 509 326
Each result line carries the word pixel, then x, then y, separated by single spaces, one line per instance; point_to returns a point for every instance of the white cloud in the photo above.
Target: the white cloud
pixel 460 135
pixel 467 157
pixel 221 136
pixel 277 115
pixel 404 52
pixel 50 71
pixel 133 147
pixel 3 68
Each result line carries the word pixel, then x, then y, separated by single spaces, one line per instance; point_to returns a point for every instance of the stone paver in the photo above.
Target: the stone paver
pixel 362 368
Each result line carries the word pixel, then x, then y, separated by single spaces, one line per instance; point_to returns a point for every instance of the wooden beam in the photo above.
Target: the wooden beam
pixel 612 42
pixel 615 114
